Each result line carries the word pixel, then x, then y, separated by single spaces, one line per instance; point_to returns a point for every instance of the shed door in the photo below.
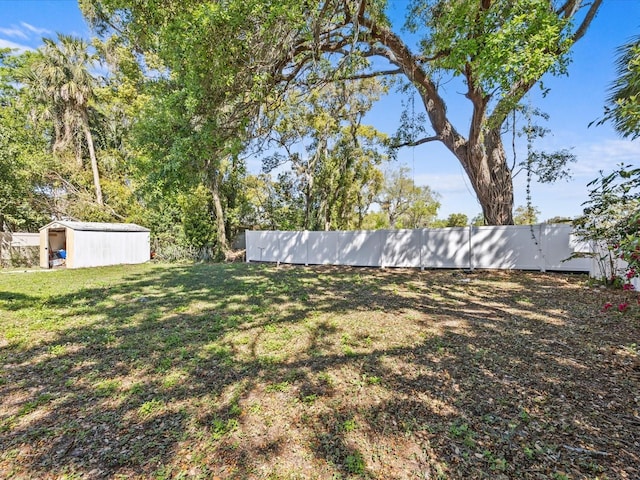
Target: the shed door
pixel 57 248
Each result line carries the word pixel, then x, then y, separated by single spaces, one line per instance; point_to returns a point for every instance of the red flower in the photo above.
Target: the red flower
pixel 628 286
pixel 623 306
pixel 607 306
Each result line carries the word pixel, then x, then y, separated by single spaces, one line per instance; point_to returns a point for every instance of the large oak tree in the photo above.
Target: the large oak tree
pixel 252 50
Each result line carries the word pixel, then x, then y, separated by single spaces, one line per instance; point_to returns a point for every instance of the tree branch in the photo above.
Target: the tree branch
pixel 371 75
pixel 568 9
pixel 415 143
pixel 397 52
pixel 587 21
pixel 436 56
pixel 520 88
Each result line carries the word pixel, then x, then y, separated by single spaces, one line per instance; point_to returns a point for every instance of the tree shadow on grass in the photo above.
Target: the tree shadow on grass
pixel 244 371
pixel 13 301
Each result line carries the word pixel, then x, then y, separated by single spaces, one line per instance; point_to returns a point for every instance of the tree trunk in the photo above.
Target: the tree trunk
pixel 482 155
pixel 223 244
pixel 94 160
pixel 491 179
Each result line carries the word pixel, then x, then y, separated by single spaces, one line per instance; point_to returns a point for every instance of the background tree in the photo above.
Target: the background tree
pixel 403 203
pixel 277 204
pixel 561 220
pixel 453 220
pixel 478 220
pixel 457 220
pixel 23 203
pixel 623 103
pixel 60 80
pixel 337 169
pixel 526 215
pixel 499 49
pixel 197 213
pixel 203 111
pixel 181 150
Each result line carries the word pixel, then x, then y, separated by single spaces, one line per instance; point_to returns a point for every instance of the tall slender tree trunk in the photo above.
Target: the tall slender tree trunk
pixel 221 232
pixel 94 160
pixel 306 225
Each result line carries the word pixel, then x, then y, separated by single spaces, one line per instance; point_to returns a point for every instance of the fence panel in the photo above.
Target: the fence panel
pixel 559 243
pixel 322 248
pixel 293 247
pixel 445 248
pixel 401 248
pixel 262 246
pixel 21 239
pixel 360 248
pixel 506 247
pixel 19 249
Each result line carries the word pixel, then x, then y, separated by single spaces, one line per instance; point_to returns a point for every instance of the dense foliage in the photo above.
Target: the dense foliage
pixel 612 214
pixel 611 221
pixel 240 57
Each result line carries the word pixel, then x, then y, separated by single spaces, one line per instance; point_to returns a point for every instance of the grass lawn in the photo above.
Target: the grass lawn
pixel 253 371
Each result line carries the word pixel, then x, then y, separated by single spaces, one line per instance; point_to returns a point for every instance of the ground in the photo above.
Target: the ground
pixel 256 371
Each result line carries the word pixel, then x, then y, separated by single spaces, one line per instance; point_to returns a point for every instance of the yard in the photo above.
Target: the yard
pixel 254 371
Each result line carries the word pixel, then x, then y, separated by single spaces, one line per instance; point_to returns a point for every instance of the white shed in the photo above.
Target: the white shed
pixel 92 244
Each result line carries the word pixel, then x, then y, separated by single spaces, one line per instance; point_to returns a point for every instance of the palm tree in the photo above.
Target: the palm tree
pixel 624 96
pixel 61 81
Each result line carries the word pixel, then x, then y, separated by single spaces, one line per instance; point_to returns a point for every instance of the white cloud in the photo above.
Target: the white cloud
pixel 9 44
pixel 36 30
pixel 13 32
pixel 25 31
pixel 605 155
pixel 444 183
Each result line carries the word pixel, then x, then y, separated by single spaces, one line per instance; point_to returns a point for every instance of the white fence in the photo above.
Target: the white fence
pixel 543 247
pixel 19 248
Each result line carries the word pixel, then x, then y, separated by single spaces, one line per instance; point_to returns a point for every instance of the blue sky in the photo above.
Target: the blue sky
pixel 573 102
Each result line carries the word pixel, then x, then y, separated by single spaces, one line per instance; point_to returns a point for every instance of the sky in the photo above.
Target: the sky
pixel 572 102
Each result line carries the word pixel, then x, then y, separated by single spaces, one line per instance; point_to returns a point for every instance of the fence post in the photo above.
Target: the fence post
pixel 542 245
pixel 471 263
pixel 422 230
pixel 246 246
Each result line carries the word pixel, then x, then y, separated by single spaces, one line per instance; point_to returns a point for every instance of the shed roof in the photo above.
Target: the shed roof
pixel 96 226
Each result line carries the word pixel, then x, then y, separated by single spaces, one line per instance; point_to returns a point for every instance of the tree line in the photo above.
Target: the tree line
pixel 155 120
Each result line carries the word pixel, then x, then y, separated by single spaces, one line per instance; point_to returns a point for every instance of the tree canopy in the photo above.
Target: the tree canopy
pixel 249 52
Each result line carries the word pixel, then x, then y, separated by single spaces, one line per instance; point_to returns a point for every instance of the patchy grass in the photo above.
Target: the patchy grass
pixel 252 371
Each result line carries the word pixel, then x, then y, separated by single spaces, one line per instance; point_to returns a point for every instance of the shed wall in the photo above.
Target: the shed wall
pixel 44 248
pixel 94 249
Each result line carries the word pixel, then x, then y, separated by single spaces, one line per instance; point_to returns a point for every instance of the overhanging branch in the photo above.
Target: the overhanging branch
pixel 415 143
pixel 381 73
pixel 593 9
